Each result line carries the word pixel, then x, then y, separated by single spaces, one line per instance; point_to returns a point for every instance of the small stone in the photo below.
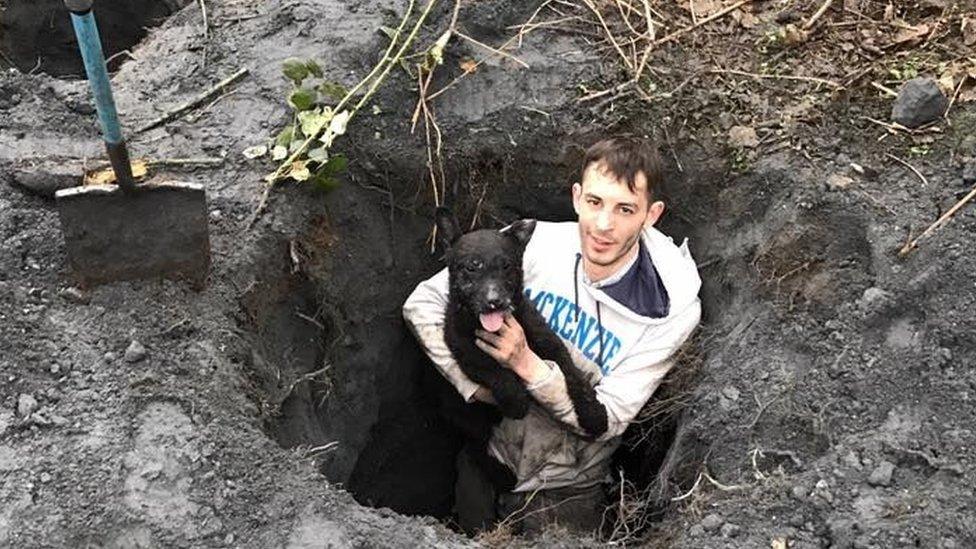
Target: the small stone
pixel 730 393
pixel 6 420
pixel 229 539
pixel 919 102
pixel 969 172
pixel 696 531
pixel 135 352
pixel 55 368
pixel 799 492
pixel 851 460
pixel 216 215
pixel 729 530
pixel 45 477
pixel 881 476
pixel 838 182
pixel 75 295
pixel 874 299
pixel 712 522
pixel 743 137
pixel 26 404
pixel 110 356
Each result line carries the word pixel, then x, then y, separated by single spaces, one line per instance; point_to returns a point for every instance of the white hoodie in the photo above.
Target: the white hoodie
pixel 544 449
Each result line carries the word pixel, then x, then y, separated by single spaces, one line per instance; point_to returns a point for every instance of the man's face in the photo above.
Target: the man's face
pixel 611 217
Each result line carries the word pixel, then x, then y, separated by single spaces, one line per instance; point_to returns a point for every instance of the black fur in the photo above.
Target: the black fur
pixel 485 269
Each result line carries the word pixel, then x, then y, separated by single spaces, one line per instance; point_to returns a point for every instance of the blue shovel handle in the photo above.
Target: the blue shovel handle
pixel 83 21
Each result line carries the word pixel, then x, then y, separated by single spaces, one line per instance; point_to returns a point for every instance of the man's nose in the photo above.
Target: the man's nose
pixel 604 221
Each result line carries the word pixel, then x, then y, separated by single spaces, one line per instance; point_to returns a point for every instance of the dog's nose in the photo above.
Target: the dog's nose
pixel 496 304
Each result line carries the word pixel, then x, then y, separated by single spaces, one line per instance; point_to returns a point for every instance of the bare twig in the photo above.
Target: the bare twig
pixel 491 49
pixel 816 16
pixel 206 20
pixel 197 101
pixel 925 182
pixel 912 244
pixel 830 83
pixel 682 31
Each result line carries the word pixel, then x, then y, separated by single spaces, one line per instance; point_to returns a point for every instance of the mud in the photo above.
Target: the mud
pixel 278 401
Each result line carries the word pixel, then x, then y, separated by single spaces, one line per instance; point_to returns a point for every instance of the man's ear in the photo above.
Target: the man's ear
pixel 448 230
pixel 654 212
pixel 577 194
pixel 521 231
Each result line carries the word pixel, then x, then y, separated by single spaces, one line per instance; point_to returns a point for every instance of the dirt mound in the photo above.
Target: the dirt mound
pixel 833 403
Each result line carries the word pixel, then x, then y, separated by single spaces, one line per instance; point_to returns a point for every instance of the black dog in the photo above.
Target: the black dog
pixel 485 272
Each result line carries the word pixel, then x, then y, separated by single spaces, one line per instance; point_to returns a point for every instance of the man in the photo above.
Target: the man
pixel 621 295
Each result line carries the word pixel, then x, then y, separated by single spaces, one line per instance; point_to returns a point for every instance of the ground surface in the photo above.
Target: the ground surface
pixel 835 399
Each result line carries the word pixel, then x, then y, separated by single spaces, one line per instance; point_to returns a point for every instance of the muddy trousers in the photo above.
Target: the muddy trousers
pixel 480 508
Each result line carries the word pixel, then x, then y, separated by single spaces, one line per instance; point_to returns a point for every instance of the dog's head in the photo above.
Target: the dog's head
pixel 485 266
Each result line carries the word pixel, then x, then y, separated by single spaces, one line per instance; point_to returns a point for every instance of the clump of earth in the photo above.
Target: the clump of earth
pixel 826 402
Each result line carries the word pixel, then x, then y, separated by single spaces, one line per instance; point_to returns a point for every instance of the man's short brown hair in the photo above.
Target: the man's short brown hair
pixel 624 158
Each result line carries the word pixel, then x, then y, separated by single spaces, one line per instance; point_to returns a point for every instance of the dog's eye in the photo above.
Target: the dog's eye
pixel 473 266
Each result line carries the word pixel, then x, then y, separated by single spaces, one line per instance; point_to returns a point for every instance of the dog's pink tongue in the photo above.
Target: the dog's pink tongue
pixel 492 322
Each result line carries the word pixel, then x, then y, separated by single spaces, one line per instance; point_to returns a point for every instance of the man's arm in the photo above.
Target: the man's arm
pixel 623 392
pixel 424 314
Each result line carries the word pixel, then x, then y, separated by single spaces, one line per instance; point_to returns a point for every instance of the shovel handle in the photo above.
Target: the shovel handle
pixel 90 44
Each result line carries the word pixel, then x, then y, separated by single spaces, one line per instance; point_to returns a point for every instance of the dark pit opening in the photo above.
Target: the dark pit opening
pixel 36 35
pixel 350 386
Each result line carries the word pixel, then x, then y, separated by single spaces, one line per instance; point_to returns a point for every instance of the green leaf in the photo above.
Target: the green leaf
pixel 299 171
pixel 313 121
pixel 320 155
pixel 333 90
pixel 326 183
pixel 336 165
pixel 339 122
pixel 295 69
pixel 279 152
pixel 294 146
pixel 302 99
pixel 313 68
pixel 256 151
pixel 286 136
pixel 436 51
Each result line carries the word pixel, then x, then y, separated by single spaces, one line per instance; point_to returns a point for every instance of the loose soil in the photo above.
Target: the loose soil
pixel 826 402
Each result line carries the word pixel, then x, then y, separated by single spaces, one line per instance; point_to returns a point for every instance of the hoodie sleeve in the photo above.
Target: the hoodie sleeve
pixel 629 386
pixel 424 314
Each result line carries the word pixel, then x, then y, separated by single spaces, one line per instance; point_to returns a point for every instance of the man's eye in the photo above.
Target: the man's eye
pixel 593 202
pixel 628 211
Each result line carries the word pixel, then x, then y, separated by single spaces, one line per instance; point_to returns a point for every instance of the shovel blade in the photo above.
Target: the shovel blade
pixel 156 230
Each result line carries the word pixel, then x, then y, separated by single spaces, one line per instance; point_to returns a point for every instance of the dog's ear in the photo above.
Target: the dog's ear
pixel 448 230
pixel 521 231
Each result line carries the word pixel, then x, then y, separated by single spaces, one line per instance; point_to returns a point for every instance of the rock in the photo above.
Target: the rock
pixel 881 476
pixel 135 352
pixel 874 300
pixel 851 460
pixel 711 522
pixel 26 405
pixel 730 393
pixel 216 215
pixel 110 356
pixel 743 137
pixel 969 172
pixel 838 182
pixel 696 531
pixel 919 102
pixel 729 530
pixel 46 177
pixel 799 492
pixel 75 295
pixel 45 477
pixel 6 421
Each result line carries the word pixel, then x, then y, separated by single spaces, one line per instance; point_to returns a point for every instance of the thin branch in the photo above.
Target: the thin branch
pixel 197 101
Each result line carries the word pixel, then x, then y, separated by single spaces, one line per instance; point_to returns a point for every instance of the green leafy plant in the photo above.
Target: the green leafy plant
pixel 322 110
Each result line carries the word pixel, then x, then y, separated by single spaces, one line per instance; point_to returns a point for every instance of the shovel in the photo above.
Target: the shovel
pixel 128 231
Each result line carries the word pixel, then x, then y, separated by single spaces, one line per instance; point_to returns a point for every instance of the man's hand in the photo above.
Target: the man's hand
pixel 509 347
